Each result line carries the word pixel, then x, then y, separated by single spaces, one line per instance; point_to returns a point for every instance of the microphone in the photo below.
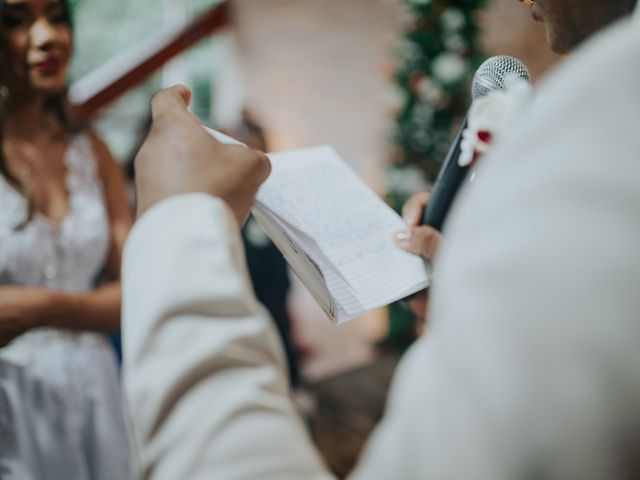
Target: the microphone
pixel 495 73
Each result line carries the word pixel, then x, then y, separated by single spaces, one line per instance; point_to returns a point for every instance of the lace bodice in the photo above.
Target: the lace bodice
pixel 60 411
pixel 65 258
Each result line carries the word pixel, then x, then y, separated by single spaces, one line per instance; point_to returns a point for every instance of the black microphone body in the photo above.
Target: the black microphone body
pixel 447 184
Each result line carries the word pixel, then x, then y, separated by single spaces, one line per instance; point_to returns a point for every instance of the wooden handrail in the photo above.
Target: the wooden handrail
pixel 103 86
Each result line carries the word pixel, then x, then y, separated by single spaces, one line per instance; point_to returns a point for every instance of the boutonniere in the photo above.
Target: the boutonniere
pixel 490 117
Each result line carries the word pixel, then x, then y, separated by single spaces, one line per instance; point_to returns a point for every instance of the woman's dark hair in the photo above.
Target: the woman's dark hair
pixel 57 104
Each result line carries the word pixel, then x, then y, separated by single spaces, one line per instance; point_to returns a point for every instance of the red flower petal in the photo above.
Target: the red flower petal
pixel 485 136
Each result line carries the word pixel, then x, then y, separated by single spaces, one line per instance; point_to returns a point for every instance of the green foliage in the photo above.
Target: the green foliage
pixel 437 56
pixel 402 327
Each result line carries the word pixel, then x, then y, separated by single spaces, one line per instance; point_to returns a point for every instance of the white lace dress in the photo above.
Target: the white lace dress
pixel 60 408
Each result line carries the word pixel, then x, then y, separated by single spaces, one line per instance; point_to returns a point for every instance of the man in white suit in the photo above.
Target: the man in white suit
pixel 531 369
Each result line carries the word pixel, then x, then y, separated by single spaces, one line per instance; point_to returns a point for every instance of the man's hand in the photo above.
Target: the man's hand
pixel 420 240
pixel 179 157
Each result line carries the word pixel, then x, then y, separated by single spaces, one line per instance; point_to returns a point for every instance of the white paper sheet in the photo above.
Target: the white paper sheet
pixel 317 196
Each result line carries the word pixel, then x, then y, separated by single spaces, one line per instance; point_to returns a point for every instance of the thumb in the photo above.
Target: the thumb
pixel 170 101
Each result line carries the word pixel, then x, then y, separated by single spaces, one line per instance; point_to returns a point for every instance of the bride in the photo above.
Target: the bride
pixel 63 221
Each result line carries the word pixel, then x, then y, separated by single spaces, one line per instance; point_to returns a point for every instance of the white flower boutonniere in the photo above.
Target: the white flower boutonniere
pixel 491 116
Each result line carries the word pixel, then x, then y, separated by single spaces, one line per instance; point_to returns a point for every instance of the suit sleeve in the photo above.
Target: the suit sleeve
pixel 204 371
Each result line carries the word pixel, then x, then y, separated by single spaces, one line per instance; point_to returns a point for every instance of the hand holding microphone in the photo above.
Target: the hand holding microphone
pixel 421 240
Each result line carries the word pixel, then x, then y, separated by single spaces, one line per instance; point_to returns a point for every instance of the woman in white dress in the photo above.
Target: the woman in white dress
pixel 63 221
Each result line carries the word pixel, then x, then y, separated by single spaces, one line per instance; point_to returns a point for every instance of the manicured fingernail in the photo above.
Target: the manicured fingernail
pixel 402 236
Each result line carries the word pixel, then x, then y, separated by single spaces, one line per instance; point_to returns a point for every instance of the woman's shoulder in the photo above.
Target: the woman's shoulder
pixel 88 153
pixel 103 159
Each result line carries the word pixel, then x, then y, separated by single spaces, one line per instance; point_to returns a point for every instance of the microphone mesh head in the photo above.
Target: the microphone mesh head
pixel 496 73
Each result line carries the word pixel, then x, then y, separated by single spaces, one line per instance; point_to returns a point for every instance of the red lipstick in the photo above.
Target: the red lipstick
pixel 51 65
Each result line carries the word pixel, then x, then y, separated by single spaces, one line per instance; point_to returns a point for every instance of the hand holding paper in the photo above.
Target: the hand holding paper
pixel 179 157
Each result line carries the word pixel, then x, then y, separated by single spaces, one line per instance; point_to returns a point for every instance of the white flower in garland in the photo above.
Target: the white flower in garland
pixel 452 19
pixel 491 116
pixel 430 92
pixel 455 43
pixel 422 115
pixel 408 52
pixel 449 67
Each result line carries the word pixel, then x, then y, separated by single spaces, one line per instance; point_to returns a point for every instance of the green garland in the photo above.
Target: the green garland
pixel 437 56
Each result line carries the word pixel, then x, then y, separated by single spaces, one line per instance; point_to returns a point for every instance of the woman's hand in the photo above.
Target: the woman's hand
pixel 420 240
pixel 21 309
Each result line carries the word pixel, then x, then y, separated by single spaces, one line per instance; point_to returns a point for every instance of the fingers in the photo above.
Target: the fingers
pixel 413 209
pixel 258 163
pixel 264 165
pixel 246 172
pixel 179 156
pixel 170 101
pixel 423 241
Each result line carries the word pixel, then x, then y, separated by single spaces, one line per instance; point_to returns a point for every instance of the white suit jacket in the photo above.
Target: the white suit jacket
pixel 531 369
